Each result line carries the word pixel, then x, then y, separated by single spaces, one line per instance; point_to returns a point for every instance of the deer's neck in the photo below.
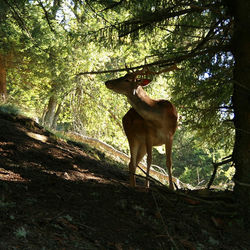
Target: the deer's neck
pixel 143 104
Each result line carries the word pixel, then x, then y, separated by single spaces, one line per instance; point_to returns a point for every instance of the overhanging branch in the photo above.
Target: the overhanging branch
pixel 165 62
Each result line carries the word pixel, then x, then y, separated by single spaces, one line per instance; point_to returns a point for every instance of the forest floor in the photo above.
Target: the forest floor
pixel 65 195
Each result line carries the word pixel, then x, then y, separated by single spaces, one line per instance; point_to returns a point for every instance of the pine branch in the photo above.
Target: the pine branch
pixel 208 36
pixel 165 62
pixel 100 16
pixel 19 19
pixel 156 17
pixel 113 5
pixel 46 14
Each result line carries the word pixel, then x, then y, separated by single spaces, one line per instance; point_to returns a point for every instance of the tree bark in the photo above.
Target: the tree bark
pixel 241 103
pixel 56 116
pixel 50 113
pixel 3 88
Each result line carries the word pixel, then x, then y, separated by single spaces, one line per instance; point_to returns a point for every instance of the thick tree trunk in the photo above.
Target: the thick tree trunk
pixel 56 116
pixel 50 113
pixel 3 89
pixel 241 103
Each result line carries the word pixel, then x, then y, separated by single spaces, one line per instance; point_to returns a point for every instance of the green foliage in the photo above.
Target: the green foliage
pixel 21 232
pixel 49 43
pixel 10 109
pixel 192 162
pixel 204 99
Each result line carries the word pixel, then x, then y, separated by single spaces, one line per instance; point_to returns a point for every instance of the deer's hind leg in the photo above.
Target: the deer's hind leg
pixel 168 145
pixel 149 160
pixel 141 153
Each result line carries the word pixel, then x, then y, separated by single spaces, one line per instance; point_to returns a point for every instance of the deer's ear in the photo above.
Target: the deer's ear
pixel 145 82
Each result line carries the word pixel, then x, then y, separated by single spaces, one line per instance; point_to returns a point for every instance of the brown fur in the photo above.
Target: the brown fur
pixel 149 123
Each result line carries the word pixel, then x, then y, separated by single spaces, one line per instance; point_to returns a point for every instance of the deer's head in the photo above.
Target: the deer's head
pixel 127 84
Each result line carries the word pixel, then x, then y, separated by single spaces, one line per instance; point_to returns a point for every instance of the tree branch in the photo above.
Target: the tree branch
pixel 227 159
pixel 166 62
pixel 210 34
pixel 18 18
pixel 46 14
pixel 156 17
pixel 113 5
pixel 100 16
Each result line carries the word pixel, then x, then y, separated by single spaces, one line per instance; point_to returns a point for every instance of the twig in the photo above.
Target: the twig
pixel 216 165
pixel 163 222
pixel 150 177
pixel 242 183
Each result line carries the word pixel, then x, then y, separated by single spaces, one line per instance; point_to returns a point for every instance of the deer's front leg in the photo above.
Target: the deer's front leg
pixel 132 169
pixel 149 161
pixel 169 161
pixel 134 147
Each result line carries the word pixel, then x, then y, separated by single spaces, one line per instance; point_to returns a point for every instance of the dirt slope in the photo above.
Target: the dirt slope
pixel 58 195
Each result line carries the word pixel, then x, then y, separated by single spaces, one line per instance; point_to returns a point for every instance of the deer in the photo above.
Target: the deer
pixel 148 123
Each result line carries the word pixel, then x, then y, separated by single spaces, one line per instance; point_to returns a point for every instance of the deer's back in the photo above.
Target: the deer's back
pixel 137 128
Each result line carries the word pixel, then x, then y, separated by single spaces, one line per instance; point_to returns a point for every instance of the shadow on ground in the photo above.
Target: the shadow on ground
pixel 63 195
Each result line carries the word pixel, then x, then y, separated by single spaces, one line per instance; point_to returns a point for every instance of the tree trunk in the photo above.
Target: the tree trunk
pixel 241 103
pixel 56 116
pixel 50 113
pixel 3 89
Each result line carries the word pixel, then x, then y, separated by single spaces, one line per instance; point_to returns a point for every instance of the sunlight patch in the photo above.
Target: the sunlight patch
pixel 7 175
pixel 38 137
